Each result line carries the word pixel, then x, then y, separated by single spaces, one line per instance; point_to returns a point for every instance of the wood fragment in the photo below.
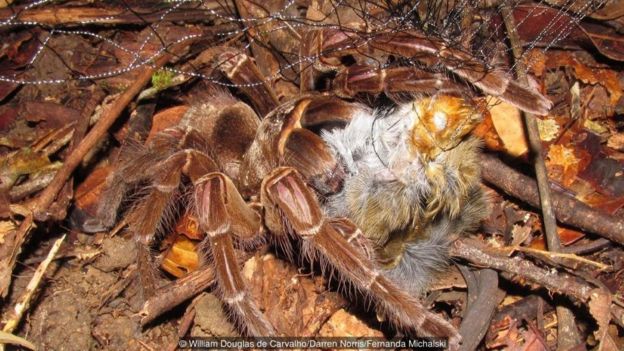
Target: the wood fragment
pixel 177 292
pixel 569 210
pixel 24 302
pixel 112 15
pixel 563 283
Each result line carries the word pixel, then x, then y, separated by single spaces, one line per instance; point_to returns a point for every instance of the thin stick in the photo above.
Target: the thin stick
pixel 569 210
pixel 177 292
pixel 550 223
pixel 12 245
pixel 567 330
pixel 22 305
pixel 521 270
pixel 112 15
pixel 553 255
pixel 526 273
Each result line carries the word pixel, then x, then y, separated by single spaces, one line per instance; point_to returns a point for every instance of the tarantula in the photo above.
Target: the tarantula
pixel 376 195
pixel 336 169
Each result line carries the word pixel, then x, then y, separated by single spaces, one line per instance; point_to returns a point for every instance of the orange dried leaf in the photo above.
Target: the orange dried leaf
pixel 562 164
pixel 88 193
pixel 604 202
pixel 569 236
pixel 509 127
pixel 535 60
pixel 566 237
pixel 589 75
pixel 486 131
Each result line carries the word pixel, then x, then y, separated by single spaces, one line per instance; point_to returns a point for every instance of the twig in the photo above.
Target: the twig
pixel 68 16
pixel 22 305
pixel 525 272
pixel 587 248
pixel 55 140
pixel 8 338
pixel 177 292
pixel 568 209
pixel 554 255
pixel 35 184
pixel 476 253
pixel 535 143
pixel 567 330
pixel 12 245
pixel 185 323
pixel 182 289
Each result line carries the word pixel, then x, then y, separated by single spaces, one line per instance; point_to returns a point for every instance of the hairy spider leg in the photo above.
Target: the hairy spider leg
pixel 328 45
pixel 148 216
pixel 292 209
pixel 222 215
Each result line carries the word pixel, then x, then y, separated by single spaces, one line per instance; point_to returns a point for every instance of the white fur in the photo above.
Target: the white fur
pixel 374 151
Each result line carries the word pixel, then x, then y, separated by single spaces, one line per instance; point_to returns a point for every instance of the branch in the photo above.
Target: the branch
pixel 569 210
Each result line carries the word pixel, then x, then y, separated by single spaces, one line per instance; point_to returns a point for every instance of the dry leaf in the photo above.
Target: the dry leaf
pixel 588 75
pixel 510 128
pixel 450 279
pixel 486 131
pixel 533 341
pixel 562 164
pixel 616 141
pixel 520 233
pixel 548 129
pixel 595 126
pixel 600 309
pixel 296 304
pixel 23 162
pixel 90 190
